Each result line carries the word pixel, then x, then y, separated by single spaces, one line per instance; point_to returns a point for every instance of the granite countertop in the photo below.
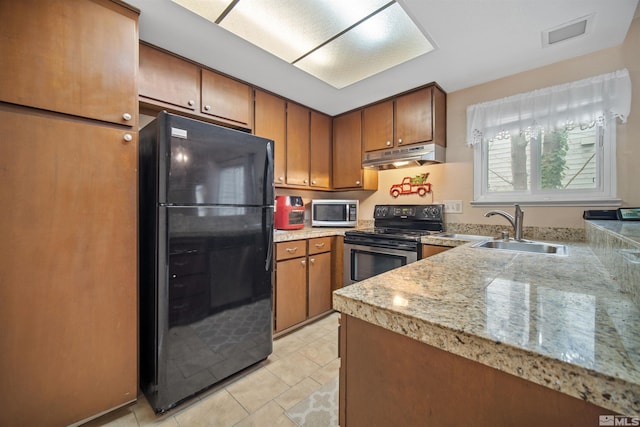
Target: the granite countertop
pixel 307 233
pixel 558 321
pixel 626 230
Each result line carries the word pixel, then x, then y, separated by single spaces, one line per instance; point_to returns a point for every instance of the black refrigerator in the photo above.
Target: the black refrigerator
pixel 206 238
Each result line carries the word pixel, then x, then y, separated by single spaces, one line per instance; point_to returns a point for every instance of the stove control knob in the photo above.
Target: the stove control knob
pixel 381 211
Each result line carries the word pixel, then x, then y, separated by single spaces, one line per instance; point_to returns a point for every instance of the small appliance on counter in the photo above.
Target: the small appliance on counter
pixel 334 213
pixel 289 213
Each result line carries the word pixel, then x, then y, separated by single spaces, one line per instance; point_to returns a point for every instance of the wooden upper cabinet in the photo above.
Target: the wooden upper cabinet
pixel 226 99
pixel 270 122
pixel 414 118
pixel 377 126
pixel 298 129
pixel 78 58
pixel 347 151
pixel 320 151
pixel 169 80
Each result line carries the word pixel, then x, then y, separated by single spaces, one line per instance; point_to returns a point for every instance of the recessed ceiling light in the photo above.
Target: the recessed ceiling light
pixel 338 41
pixel 566 31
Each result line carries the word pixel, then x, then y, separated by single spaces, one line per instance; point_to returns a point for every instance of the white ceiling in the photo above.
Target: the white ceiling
pixel 476 41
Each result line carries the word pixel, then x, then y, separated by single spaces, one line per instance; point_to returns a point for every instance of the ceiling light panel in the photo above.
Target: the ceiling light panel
pixel 291 28
pixel 387 39
pixel 208 9
pixel 337 41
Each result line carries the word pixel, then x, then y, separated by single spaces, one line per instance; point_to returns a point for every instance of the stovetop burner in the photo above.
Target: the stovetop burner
pixel 391 233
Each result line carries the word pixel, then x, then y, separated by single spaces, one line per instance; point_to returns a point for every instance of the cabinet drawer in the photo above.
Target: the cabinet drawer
pixel 186 263
pixel 319 245
pixel 187 286
pixel 293 249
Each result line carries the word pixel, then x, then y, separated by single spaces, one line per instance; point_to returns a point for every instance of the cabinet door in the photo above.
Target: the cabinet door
pixel 414 118
pixel 270 122
pixel 319 283
pixel 226 99
pixel 297 144
pixel 377 126
pixel 430 250
pixel 79 58
pixel 291 292
pixel 320 150
pixel 347 151
pixel 68 282
pixel 169 80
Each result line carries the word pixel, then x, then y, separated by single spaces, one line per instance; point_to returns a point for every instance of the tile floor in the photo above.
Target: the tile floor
pixel 300 364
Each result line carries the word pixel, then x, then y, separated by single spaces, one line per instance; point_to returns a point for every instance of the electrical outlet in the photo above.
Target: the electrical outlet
pixel 453 206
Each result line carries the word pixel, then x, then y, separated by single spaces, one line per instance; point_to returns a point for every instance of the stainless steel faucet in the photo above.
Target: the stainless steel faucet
pixel 516 222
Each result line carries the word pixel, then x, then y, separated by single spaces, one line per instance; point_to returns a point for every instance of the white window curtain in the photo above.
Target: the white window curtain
pixel 581 103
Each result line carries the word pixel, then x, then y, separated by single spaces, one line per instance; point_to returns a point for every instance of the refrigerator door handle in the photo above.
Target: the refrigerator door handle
pixel 268 179
pixel 269 230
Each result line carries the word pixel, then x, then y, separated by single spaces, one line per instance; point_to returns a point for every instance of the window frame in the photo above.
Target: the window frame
pixel 603 195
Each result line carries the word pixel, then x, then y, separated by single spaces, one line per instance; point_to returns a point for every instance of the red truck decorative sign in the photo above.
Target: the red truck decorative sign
pixel 411 185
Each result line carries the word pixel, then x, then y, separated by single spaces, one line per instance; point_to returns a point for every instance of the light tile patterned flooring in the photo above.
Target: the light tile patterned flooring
pixel 300 364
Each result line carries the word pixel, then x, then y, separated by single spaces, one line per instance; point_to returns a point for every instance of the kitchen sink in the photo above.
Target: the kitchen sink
pixel 461 236
pixel 524 246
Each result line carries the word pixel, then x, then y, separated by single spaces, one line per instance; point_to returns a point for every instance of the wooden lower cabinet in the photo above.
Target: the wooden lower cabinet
pixel 319 275
pixel 388 379
pixel 430 250
pixel 304 280
pixel 291 292
pixel 68 281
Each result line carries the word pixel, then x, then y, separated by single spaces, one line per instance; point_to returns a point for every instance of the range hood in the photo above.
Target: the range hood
pixel 404 157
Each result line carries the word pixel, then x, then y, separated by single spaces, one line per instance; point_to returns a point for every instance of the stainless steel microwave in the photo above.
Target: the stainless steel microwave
pixel 334 213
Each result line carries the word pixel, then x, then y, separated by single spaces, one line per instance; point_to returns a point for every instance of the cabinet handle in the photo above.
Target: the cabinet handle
pixel 303 262
pixel 357 182
pixel 399 140
pixel 126 116
pixel 127 137
pixel 305 181
pixel 291 250
pixel 313 181
pixel 191 102
pixel 388 143
pixel 281 179
pixel 312 260
pixel 207 107
pixel 319 245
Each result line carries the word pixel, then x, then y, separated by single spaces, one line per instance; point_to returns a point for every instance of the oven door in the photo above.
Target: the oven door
pixel 364 261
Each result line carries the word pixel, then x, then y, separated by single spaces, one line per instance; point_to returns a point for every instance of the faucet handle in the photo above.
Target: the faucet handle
pixel 504 235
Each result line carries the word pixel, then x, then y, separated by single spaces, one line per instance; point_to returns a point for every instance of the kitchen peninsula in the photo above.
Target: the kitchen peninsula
pixel 489 337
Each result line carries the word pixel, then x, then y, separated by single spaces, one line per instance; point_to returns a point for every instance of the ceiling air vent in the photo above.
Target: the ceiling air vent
pixel 566 31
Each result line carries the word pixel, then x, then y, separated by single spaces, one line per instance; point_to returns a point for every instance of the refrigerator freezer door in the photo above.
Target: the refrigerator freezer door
pixel 214 318
pixel 208 164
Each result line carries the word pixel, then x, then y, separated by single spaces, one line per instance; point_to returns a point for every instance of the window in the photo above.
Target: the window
pixel 551 146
